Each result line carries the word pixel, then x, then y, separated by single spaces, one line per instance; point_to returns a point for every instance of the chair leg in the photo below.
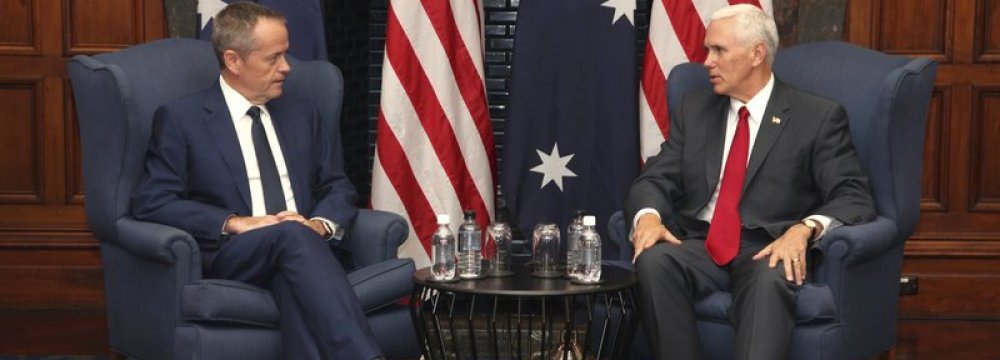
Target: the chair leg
pixel 888 354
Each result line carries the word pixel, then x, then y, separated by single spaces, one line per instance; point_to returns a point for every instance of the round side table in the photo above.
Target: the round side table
pixel 525 317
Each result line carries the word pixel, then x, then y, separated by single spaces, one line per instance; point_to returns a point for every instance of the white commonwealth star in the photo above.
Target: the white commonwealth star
pixel 553 167
pixel 208 9
pixel 624 8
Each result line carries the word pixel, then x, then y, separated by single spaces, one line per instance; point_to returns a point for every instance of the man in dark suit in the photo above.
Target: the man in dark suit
pixel 252 176
pixel 752 173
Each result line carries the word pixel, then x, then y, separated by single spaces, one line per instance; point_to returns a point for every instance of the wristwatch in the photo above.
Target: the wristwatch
pixel 813 227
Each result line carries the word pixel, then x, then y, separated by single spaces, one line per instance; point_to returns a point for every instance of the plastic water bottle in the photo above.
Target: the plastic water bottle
pixel 443 249
pixel 573 232
pixel 590 247
pixel 470 242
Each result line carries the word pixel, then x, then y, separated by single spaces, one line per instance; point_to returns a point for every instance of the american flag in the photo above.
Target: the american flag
pixel 676 35
pixel 434 150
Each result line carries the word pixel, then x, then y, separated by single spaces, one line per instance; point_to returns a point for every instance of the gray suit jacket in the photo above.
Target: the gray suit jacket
pixel 803 165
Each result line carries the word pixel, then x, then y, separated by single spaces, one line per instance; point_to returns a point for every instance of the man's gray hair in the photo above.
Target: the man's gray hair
pixel 752 25
pixel 233 28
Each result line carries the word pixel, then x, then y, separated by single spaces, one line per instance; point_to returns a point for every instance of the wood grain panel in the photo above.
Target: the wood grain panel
pixel 51 287
pixel 48 332
pixel 987 44
pixel 915 27
pixel 74 153
pixel 935 175
pixel 17 30
pixel 19 142
pixel 984 176
pixel 928 340
pixel 102 26
pixel 953 288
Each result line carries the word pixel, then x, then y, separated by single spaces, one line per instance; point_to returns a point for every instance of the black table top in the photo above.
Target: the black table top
pixel 523 284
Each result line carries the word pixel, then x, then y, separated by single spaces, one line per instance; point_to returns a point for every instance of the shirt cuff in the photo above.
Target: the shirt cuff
pixel 333 231
pixel 828 223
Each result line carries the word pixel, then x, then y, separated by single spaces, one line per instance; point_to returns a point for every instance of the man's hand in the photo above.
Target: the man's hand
pixel 294 216
pixel 790 249
pixel 239 224
pixel 648 231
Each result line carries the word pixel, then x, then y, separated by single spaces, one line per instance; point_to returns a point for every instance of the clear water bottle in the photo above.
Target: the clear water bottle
pixel 573 232
pixel 470 242
pixel 590 246
pixel 443 249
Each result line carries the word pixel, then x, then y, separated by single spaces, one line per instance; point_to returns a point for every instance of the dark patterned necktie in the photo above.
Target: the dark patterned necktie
pixel 270 181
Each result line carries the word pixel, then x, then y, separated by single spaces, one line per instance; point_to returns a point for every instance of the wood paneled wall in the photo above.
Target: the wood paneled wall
pixel 51 287
pixel 955 251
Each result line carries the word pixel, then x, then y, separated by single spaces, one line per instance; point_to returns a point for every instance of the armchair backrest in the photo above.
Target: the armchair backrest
pixel 117 93
pixel 886 100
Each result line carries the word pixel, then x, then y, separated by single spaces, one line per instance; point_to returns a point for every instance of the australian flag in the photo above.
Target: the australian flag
pixel 304 20
pixel 571 139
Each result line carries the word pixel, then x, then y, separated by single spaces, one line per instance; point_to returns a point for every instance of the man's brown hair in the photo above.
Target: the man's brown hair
pixel 233 28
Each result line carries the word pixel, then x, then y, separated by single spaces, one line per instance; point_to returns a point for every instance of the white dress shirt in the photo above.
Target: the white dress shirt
pixel 238 106
pixel 756 106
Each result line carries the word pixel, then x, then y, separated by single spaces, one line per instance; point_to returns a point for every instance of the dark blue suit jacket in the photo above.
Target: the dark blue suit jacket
pixel 195 176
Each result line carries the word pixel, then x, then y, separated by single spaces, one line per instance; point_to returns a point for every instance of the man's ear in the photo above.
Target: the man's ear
pixel 759 54
pixel 233 61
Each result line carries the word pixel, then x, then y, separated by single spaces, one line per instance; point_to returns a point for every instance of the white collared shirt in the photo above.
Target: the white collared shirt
pixel 238 106
pixel 756 106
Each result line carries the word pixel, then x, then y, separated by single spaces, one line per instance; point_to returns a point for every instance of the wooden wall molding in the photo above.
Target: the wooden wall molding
pixel 934 197
pixel 970 246
pixel 102 26
pixel 21 160
pixel 987 38
pixel 984 173
pixel 17 36
pixel 914 27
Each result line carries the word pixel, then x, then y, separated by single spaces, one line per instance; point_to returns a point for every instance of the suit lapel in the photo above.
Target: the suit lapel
pixel 220 124
pixel 768 132
pixel 715 139
pixel 290 151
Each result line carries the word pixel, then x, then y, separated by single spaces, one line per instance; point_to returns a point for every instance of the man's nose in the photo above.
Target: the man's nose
pixel 284 66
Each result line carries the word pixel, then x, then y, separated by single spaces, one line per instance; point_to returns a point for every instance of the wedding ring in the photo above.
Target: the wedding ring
pixel 795 260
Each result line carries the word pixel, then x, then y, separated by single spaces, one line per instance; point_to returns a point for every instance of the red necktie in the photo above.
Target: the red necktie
pixel 723 241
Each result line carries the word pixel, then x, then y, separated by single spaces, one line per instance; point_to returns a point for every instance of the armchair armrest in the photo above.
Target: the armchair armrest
pixel 618 236
pixel 155 242
pixel 382 284
pixel 375 236
pixel 854 244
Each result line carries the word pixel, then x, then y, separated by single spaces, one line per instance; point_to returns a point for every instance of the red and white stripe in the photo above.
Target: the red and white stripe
pixel 676 35
pixel 434 150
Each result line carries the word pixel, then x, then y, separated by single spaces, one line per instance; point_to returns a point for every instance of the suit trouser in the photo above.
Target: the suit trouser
pixel 672 278
pixel 320 314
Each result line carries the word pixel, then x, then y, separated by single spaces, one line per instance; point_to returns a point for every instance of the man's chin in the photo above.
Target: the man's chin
pixel 718 89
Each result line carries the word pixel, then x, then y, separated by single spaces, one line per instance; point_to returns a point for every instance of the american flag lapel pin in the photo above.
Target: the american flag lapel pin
pixel 776 120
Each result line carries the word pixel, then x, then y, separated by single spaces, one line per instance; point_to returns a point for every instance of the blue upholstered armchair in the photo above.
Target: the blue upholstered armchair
pixel 159 306
pixel 849 309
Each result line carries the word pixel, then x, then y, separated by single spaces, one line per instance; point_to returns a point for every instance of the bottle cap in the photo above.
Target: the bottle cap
pixel 470 215
pixel 443 219
pixel 589 220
